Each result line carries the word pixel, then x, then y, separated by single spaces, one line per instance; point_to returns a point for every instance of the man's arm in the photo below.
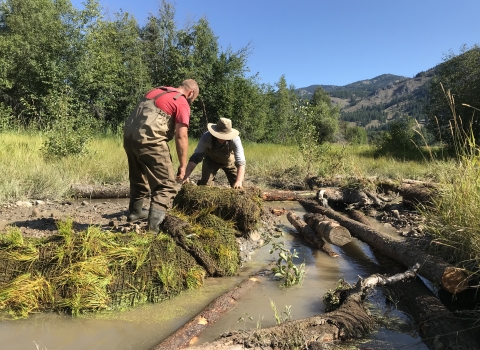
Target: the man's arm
pixel 240 162
pixel 240 176
pixel 190 166
pixel 181 143
pixel 197 156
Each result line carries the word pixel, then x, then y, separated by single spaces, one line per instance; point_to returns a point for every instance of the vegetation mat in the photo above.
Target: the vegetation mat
pixel 243 207
pixel 91 270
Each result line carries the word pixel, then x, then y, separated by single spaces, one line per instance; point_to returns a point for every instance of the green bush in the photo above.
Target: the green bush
pixel 65 138
pixel 6 117
pixel 398 141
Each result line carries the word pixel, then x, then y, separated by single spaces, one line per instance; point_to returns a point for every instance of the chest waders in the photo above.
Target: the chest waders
pixel 218 156
pixel 146 133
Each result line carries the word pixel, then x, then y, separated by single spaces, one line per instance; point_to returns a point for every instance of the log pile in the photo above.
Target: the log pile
pixel 309 235
pixel 434 269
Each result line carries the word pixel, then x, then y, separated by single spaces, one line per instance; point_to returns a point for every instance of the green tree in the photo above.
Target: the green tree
pixel 35 58
pixel 459 74
pixel 327 115
pixel 356 135
pixel 110 74
pixel 306 135
pixel 282 112
pixel 399 140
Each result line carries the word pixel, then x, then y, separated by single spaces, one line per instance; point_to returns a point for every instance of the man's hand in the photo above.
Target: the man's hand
pixel 240 176
pixel 187 180
pixel 237 185
pixel 180 174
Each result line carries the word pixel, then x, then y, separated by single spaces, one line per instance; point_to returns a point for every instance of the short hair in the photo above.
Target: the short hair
pixel 190 84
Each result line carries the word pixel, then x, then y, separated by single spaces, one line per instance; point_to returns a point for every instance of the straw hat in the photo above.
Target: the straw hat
pixel 223 129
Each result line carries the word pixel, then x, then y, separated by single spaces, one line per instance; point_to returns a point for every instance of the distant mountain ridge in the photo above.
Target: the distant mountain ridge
pixel 372 102
pixel 367 85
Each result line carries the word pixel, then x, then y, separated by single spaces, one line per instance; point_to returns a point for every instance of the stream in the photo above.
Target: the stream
pixel 144 327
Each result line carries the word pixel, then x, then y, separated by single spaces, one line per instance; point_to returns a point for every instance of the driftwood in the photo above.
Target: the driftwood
pixel 176 227
pixel 437 326
pixel 331 231
pixel 434 269
pixel 280 195
pixel 310 235
pixel 418 193
pixel 100 191
pixel 344 196
pixel 349 321
pixel 357 215
pixel 187 334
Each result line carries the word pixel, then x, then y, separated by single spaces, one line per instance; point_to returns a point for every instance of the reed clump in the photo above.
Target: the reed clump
pixel 454 218
pixel 244 207
pixel 94 270
pixel 90 270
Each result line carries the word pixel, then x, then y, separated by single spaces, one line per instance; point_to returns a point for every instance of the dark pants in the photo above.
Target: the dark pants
pixel 150 170
pixel 210 169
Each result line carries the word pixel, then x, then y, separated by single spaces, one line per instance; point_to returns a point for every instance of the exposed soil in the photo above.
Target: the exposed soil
pixel 38 218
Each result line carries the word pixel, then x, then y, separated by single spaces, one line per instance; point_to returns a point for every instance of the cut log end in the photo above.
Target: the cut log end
pixel 454 280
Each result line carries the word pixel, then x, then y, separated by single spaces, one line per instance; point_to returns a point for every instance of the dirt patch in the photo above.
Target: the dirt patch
pixel 38 218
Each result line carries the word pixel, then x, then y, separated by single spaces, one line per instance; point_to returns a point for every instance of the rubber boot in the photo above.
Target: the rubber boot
pixel 155 218
pixel 136 211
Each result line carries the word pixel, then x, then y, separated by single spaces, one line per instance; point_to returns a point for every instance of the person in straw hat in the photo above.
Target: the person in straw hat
pixel 219 148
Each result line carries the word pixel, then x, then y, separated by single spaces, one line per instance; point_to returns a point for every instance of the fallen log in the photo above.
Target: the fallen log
pixel 432 268
pixel 349 321
pixel 331 231
pixel 436 324
pixel 418 193
pixel 357 215
pixel 176 228
pixel 187 334
pixel 280 195
pixel 309 235
pixel 344 196
pixel 100 191
pixel 377 201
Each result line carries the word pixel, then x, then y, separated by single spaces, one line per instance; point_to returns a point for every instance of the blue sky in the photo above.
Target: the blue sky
pixel 333 42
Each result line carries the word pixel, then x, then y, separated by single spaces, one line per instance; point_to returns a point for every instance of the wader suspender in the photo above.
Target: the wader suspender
pixel 166 91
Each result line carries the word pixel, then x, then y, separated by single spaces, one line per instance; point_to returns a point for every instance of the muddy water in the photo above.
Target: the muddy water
pixel 144 327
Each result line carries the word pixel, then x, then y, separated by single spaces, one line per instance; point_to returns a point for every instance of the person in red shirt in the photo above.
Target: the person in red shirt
pixel 162 114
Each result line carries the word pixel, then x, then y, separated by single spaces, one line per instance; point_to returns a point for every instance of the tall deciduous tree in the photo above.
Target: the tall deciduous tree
pixel 459 74
pixel 111 75
pixel 282 113
pixel 327 115
pixel 35 47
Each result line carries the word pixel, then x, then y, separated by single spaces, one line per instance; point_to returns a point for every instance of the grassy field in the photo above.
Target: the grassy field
pixel 454 219
pixel 26 173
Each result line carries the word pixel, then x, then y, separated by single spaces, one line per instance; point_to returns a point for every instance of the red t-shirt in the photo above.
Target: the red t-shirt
pixel 179 108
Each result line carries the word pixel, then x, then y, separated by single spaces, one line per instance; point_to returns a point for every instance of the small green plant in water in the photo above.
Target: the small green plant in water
pixel 244 319
pixel 284 316
pixel 284 268
pixel 332 297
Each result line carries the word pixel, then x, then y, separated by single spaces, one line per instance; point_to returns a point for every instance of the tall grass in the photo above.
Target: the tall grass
pixel 454 218
pixel 26 173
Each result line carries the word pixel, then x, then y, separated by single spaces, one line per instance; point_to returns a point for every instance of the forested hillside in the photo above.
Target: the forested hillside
pixel 371 103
